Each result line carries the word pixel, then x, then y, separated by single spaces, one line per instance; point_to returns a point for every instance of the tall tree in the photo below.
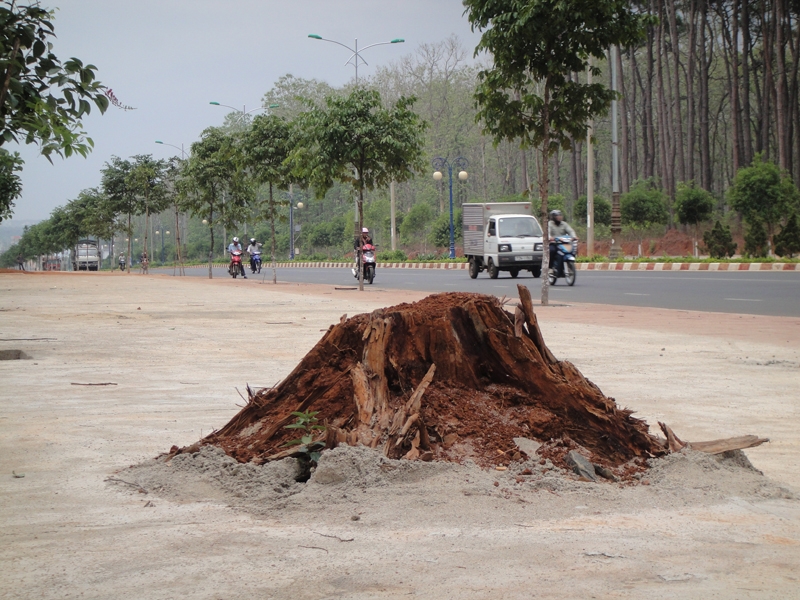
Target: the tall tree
pixel 535 46
pixel 42 100
pixel 215 185
pixel 266 147
pixel 355 140
pixel 121 195
pixel 147 178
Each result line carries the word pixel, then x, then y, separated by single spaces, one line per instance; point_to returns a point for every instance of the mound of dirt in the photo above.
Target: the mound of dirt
pixel 452 377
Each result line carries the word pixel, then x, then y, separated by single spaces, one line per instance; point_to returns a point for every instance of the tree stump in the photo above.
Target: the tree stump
pixel 451 377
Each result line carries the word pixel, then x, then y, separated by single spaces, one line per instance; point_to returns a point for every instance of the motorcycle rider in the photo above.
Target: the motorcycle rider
pixel 359 243
pixel 254 248
pixel 234 246
pixel 122 261
pixel 557 227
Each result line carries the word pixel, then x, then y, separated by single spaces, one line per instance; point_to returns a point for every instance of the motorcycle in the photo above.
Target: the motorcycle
pixel 121 264
pixel 368 252
pixel 236 267
pixel 566 249
pixel 255 263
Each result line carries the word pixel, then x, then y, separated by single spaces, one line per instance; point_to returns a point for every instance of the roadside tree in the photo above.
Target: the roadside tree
pixel 214 186
pixel 762 193
pixel 355 140
pixel 266 149
pixel 756 243
pixel 42 100
pixel 693 205
pixel 719 241
pixel 787 242
pixel 529 94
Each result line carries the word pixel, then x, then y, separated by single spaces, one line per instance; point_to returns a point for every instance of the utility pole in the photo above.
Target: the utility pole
pixel 589 179
pixel 616 216
pixel 393 214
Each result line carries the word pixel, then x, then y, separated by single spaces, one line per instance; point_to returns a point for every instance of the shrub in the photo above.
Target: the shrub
pixel 719 241
pixel 755 242
pixel 787 242
pixel 392 256
pixel 602 211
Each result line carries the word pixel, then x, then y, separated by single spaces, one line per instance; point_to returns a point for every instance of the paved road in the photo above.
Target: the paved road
pixel 767 293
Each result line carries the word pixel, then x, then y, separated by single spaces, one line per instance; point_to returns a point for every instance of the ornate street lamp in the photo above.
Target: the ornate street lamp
pixel 459 163
pixel 356 53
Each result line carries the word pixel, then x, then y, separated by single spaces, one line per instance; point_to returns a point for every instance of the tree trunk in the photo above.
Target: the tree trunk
pixel 745 95
pixel 706 180
pixel 676 92
pixel 782 89
pixel 543 192
pixel 690 100
pixel 272 225
pixel 767 88
pixel 130 235
pixel 360 227
pixel 623 105
pixel 211 247
pixel 647 116
pixel 663 128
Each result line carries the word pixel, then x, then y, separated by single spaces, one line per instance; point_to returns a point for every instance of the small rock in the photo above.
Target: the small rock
pixel 527 446
pixel 355 518
pixel 581 466
pixel 496 484
pixel 645 482
pixel 501 468
pixel 527 472
pixel 604 472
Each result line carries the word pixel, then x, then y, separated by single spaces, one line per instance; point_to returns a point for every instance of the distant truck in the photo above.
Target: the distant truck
pixel 85 256
pixel 502 236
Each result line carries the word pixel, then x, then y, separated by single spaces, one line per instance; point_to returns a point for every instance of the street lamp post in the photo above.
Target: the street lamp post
pixel 292 208
pixel 459 163
pixel 243 112
pixel 178 256
pixel 356 53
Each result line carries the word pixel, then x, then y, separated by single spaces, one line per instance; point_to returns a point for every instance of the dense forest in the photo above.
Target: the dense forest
pixel 711 88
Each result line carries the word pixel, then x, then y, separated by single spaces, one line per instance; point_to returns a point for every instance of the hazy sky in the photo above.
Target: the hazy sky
pixel 169 58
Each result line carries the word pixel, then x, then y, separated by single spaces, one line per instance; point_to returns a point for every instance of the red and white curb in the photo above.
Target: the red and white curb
pixel 601 266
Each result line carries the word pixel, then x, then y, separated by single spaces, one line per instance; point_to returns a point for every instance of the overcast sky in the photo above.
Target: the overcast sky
pixel 169 58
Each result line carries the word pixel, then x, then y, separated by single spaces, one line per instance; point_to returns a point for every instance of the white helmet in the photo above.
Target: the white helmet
pixel 236 240
pixel 364 230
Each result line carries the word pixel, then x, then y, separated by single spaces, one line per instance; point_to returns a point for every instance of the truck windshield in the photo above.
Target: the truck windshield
pixel 519 227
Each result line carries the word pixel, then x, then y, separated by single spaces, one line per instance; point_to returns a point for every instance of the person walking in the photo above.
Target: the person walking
pixel 20 263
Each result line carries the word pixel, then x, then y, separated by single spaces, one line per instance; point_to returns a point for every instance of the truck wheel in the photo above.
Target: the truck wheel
pixel 474 269
pixel 536 271
pixel 514 273
pixel 493 270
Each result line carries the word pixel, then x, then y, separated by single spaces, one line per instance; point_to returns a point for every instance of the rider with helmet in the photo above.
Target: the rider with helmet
pixel 254 249
pixel 235 246
pixel 363 239
pixel 557 227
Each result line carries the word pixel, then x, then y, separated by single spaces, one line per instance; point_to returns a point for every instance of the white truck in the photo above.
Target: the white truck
pixel 502 236
pixel 85 256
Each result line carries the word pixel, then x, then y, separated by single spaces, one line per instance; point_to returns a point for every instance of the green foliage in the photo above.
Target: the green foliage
pixel 440 231
pixel 719 241
pixel 354 140
pixel 392 256
pixel 755 242
pixel 214 183
pixel 693 204
pixel 417 223
pixel 787 242
pixel 529 93
pixel 43 100
pixel 644 205
pixel 307 424
pixel 761 193
pixel 10 183
pixel 602 211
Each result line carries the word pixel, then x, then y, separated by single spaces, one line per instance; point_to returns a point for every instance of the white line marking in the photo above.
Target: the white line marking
pixel 743 299
pixel 635 294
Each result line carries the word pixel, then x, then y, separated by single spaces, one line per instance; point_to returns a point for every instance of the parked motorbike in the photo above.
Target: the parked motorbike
pixel 255 263
pixel 368 252
pixel 236 267
pixel 566 249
